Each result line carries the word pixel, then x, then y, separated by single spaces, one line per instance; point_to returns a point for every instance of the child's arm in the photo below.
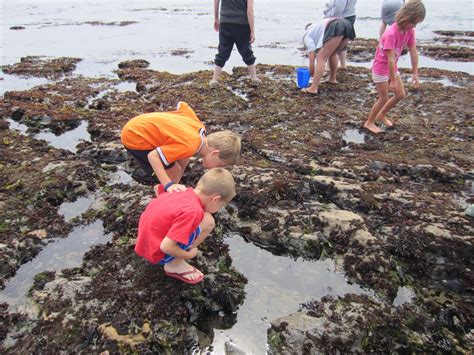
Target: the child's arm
pixel 414 66
pixel 170 247
pixel 391 68
pixel 216 15
pixel 312 59
pixel 251 20
pixel 161 173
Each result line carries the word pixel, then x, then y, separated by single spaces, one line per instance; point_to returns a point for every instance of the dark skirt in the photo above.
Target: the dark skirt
pixel 337 28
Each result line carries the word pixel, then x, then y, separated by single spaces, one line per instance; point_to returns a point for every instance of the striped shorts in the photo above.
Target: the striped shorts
pixel 167 258
pixel 377 79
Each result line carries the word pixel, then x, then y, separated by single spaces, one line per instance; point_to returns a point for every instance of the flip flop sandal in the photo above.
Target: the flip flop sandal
pixel 305 91
pixel 180 276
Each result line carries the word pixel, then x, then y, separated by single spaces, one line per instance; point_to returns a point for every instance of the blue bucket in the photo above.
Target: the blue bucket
pixel 302 77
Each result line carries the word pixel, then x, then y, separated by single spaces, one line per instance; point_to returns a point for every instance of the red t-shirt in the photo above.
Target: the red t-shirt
pixel 174 215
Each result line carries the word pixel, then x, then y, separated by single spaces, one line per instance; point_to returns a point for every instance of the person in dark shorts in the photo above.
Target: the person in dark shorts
pixel 235 26
pixel 322 42
pixel 163 142
pixel 344 9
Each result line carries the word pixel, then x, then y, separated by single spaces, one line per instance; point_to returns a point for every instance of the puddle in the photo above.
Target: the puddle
pixel 238 93
pixel 444 81
pixel 120 177
pixel 276 287
pixel 61 254
pixel 125 86
pixel 68 140
pixel 353 136
pixel 325 134
pixel 404 295
pixel 18 83
pixel 71 210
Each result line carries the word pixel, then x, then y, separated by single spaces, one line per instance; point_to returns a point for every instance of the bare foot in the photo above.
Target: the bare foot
pixel 255 81
pixel 181 267
pixel 213 83
pixel 371 127
pixel 385 121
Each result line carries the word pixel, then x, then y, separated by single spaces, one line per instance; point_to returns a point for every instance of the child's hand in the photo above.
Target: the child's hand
pixel 252 37
pixel 192 253
pixel 393 85
pixel 176 188
pixel 216 26
pixel 416 81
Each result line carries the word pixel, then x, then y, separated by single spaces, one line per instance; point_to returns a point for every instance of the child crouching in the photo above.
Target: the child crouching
pixel 173 225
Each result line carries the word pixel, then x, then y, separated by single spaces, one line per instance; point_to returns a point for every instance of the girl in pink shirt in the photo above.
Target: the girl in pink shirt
pixel 384 69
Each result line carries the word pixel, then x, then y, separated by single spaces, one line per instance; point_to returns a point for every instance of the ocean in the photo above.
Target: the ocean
pixel 63 28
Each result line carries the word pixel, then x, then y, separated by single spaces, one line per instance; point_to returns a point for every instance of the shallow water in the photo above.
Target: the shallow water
pixel 59 28
pixel 354 136
pixel 71 210
pixel 404 295
pixel 68 140
pixel 276 287
pixel 60 254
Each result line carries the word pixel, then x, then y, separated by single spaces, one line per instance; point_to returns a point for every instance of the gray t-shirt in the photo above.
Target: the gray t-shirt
pixel 389 10
pixel 340 8
pixel 234 11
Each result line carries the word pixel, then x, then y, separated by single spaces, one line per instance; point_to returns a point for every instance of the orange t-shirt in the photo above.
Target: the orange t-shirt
pixel 175 135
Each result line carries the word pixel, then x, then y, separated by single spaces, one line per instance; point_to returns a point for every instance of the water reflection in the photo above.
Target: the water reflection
pixel 276 287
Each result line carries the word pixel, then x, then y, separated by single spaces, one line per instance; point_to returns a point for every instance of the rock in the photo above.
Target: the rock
pixel 469 211
pixel 39 233
pixel 437 231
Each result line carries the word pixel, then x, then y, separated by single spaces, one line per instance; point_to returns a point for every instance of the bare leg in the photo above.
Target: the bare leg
pixel 382 89
pixel 333 63
pixel 342 58
pixel 253 73
pixel 399 95
pixel 180 265
pixel 323 55
pixel 216 75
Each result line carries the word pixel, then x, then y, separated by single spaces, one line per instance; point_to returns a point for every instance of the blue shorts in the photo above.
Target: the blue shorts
pixel 192 238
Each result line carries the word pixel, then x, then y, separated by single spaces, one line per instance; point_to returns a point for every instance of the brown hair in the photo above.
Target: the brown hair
pixel 411 12
pixel 227 143
pixel 217 181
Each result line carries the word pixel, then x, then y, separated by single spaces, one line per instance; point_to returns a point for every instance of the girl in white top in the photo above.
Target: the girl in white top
pixel 322 42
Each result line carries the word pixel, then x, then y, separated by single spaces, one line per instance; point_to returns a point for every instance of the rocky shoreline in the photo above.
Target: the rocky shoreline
pixel 390 210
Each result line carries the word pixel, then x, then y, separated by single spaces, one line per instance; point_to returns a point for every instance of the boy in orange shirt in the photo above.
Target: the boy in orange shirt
pixel 174 225
pixel 163 142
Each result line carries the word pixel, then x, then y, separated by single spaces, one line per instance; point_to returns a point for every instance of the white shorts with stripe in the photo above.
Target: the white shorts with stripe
pixel 377 79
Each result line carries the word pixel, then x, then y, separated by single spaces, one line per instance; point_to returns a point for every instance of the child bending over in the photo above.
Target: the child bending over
pixel 384 69
pixel 173 225
pixel 322 42
pixel 163 142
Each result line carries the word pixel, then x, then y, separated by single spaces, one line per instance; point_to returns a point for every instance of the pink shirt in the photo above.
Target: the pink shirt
pixel 393 39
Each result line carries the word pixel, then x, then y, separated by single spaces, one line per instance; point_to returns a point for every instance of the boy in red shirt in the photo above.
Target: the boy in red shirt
pixel 163 142
pixel 175 224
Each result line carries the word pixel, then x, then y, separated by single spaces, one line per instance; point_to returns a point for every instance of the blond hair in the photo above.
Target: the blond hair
pixel 412 12
pixel 227 143
pixel 217 181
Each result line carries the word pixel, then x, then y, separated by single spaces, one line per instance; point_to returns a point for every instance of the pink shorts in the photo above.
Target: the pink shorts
pixel 377 79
